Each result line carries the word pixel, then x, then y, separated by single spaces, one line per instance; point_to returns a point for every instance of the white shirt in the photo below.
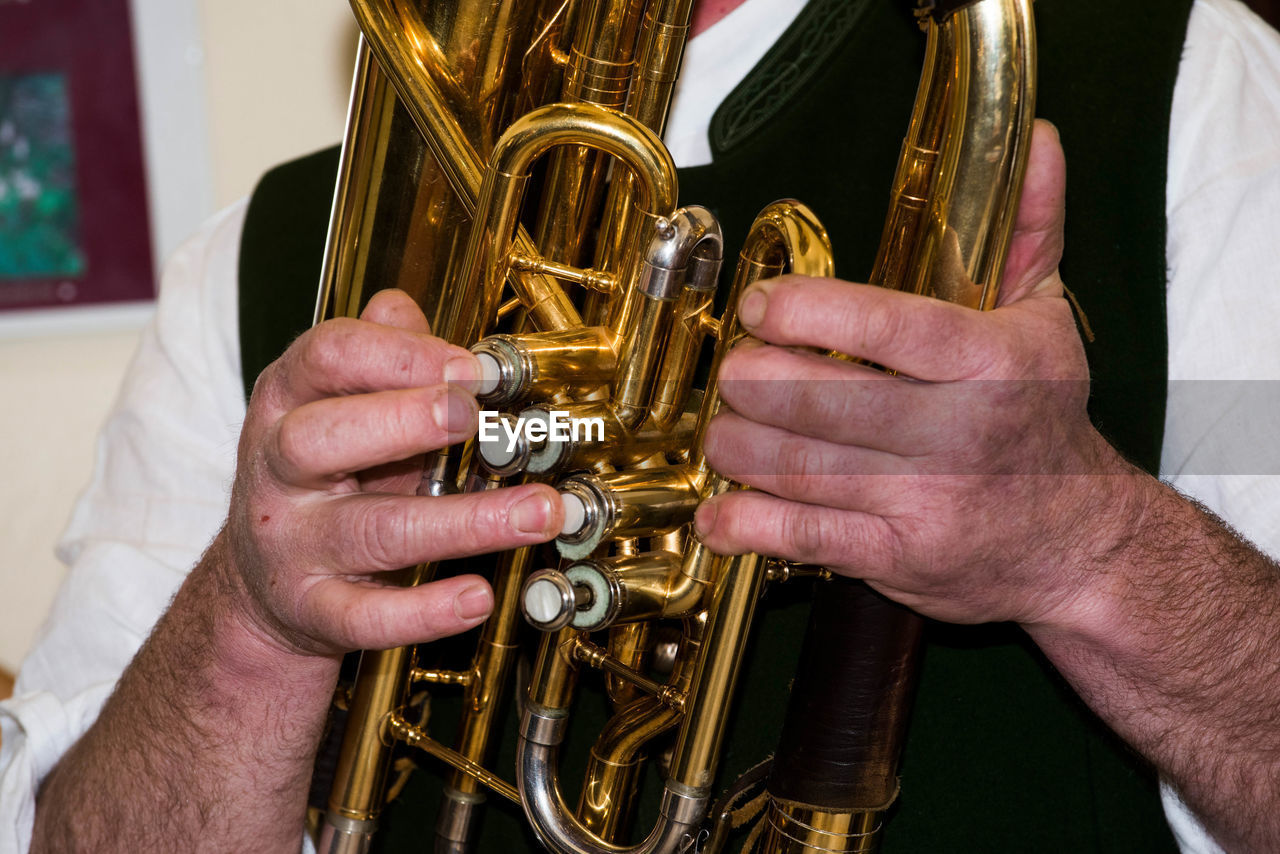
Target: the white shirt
pixel 166 455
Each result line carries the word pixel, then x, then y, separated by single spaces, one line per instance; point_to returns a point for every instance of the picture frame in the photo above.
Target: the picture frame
pixel 74 224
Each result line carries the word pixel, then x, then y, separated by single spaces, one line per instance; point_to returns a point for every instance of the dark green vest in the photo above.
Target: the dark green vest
pixel 1001 755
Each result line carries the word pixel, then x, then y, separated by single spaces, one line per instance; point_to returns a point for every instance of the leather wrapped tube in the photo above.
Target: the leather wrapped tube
pixel 850 701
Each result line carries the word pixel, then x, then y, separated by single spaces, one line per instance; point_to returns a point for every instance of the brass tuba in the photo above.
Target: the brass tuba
pixel 591 295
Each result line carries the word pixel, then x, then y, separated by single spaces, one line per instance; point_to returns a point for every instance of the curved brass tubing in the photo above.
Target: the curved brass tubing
pixel 683 256
pixel 786 237
pixel 610 780
pixel 598 70
pixel 955 194
pixel 488 256
pixel 408 54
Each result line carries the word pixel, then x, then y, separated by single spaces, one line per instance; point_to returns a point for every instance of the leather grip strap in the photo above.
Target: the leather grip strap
pixel 846 721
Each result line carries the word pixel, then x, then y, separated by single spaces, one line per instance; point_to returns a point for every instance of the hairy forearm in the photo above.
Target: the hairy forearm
pixel 1175 645
pixel 207 743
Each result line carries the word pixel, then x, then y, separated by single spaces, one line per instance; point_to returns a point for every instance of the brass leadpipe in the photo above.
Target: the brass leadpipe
pixel 786 236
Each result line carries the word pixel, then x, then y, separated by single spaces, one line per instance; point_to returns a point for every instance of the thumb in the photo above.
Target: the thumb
pixel 394 307
pixel 1036 247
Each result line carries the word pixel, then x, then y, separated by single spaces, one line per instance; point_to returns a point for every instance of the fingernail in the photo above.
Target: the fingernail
pixel 474 602
pixel 530 514
pixel 704 520
pixel 463 371
pixel 751 309
pixel 455 411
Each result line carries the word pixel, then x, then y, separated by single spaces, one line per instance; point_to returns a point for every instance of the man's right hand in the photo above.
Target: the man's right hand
pixel 324 500
pixel 208 742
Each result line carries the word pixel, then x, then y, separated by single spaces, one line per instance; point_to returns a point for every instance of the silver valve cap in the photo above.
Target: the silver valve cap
pixel 575 514
pixel 550 600
pixel 498 451
pixel 490 374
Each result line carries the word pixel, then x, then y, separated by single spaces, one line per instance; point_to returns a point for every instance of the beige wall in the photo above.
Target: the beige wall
pixel 278 74
pixel 275 79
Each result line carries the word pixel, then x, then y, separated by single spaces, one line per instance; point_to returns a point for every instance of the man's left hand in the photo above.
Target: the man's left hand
pixel 964 484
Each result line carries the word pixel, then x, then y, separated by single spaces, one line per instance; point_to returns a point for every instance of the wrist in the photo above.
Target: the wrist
pixel 1167 645
pixel 1100 548
pixel 1144 558
pixel 243 646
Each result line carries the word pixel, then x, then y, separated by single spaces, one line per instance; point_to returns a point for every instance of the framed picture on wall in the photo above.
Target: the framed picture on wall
pixel 73 207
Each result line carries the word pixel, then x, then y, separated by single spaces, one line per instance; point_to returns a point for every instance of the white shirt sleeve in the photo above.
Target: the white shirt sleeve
pixel 1223 207
pixel 158 494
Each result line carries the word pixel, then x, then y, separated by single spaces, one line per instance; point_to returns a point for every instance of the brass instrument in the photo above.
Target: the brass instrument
pixel 454 104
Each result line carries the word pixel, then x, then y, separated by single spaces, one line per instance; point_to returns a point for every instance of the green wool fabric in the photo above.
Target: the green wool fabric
pixel 1001 755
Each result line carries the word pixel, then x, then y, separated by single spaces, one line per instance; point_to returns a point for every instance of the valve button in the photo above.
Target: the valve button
pixel 549 600
pixel 490 374
pixel 497 454
pixel 575 514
